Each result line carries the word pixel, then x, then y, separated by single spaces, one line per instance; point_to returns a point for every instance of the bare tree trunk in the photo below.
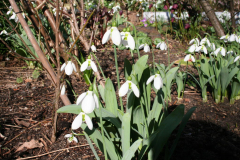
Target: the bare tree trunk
pixel 232 15
pixel 212 17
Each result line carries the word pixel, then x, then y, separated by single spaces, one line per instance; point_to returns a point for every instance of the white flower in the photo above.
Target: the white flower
pixel 71 138
pixel 128 40
pixel 225 38
pixel 114 34
pixel 14 15
pixel 88 64
pixel 82 117
pixel 221 50
pixel 128 86
pixel 201 48
pixel 88 101
pixel 232 38
pixel 69 67
pixel 63 89
pixel 158 82
pixel 231 52
pixel 4 32
pixel 193 48
pixel 212 46
pixel 195 41
pixel 189 58
pixel 236 58
pixel 205 41
pixel 145 46
pixel 162 46
pixel 93 48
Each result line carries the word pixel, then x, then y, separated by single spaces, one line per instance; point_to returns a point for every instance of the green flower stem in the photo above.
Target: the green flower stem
pixel 132 55
pixel 99 66
pixel 116 64
pixel 145 120
pixel 168 49
pixel 101 122
pixel 185 80
pixel 153 60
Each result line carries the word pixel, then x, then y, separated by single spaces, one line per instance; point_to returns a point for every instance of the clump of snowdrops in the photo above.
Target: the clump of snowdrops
pixel 140 127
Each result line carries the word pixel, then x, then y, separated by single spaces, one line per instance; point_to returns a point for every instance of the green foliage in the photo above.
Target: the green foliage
pixel 35 74
pixel 19 80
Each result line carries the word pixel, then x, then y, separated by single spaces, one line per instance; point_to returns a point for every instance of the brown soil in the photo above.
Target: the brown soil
pixel 211 133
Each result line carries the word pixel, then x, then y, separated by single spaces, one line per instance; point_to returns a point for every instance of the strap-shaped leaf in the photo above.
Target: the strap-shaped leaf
pixel 73 108
pixel 110 97
pixel 126 132
pixel 140 65
pixel 131 151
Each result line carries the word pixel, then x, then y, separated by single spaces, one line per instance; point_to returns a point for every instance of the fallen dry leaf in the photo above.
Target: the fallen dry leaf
pixel 29 145
pixel 24 123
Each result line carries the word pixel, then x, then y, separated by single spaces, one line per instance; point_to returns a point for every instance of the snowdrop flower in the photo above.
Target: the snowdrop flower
pixel 4 32
pixel 201 48
pixel 93 48
pixel 71 138
pixel 221 50
pixel 162 45
pixel 127 39
pixel 232 38
pixel 157 80
pixel 236 58
pixel 189 58
pixel 88 64
pixel 205 41
pixel 127 87
pixel 225 38
pixel 230 52
pixel 69 67
pixel 88 101
pixel 194 41
pixel 193 48
pixel 82 117
pixel 212 46
pixel 145 47
pixel 114 34
pixel 63 89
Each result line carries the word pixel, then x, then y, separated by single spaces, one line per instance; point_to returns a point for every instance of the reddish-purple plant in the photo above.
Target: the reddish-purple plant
pixel 175 6
pixel 173 19
pixel 121 12
pixel 165 7
pixel 150 6
pixel 144 20
pixel 187 26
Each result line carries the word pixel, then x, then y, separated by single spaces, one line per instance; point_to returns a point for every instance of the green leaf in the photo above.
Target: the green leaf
pixel 126 132
pixel 35 74
pixel 101 91
pixel 131 151
pixel 127 68
pixel 110 97
pixel 73 108
pixel 180 129
pixel 159 138
pixel 19 80
pixel 139 66
pixel 91 146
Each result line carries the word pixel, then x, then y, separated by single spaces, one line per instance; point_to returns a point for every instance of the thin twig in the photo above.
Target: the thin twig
pixel 54 152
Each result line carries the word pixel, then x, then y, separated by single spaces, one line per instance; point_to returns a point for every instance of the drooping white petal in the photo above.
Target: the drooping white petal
pixel 93 48
pixel 106 36
pixel 116 36
pixel 131 42
pixel 8 12
pixel 84 66
pixel 163 46
pixel 213 46
pixel 69 68
pixel 68 135
pixel 89 122
pixel 231 38
pixel 93 66
pixel 150 79
pixel 192 58
pixel 74 67
pixel 158 45
pixel 77 122
pixel 80 98
pixel 236 58
pixel 192 48
pixel 158 83
pixel 223 51
pixel 187 57
pixel 88 103
pixel 135 89
pixel 223 37
pixel 75 139
pixel 146 48
pixel 141 46
pixel 123 89
pixel 96 100
pixel 63 66
pixel 63 89
pixel 204 49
